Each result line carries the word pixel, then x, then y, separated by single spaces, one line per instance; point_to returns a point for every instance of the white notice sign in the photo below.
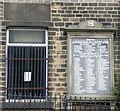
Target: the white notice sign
pixel 27 76
pixel 91 66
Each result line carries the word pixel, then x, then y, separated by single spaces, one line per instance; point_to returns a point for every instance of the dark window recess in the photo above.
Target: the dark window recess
pixel 26 71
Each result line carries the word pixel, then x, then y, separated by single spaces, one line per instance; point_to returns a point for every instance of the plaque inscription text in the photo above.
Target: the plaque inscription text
pixel 90 71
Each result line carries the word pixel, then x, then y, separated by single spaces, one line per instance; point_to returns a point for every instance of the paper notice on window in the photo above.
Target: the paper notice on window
pixel 27 76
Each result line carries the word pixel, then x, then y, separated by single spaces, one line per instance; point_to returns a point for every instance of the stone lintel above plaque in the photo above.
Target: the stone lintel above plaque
pixel 89 26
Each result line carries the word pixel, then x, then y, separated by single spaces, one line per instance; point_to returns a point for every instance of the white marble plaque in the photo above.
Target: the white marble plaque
pixel 90 58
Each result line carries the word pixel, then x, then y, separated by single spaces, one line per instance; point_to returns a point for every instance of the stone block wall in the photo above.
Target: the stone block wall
pixel 64 14
pixel 2 51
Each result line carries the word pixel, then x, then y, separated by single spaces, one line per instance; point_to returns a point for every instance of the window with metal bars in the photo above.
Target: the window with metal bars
pixel 26 63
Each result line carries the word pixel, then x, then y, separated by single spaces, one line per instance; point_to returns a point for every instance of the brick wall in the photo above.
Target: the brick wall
pixel 2 49
pixel 62 15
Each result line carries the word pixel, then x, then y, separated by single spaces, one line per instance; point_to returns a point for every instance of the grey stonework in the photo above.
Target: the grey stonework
pixel 31 12
pixel 62 15
pixel 2 50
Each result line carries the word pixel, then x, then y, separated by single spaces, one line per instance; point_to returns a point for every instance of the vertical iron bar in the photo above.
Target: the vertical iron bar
pixel 15 74
pixel 60 102
pixel 95 104
pixel 70 103
pixel 41 70
pixel 30 101
pixel 19 72
pixel 40 102
pixel 25 70
pixel 14 100
pixel 29 69
pixel 21 65
pixel 80 103
pixel 21 101
pixel 45 102
pixel 25 97
pixel 100 104
pixel 85 105
pixel 75 103
pixel 28 63
pixel 44 65
pixel 109 104
pixel 37 70
pixel 55 102
pixel 65 102
pixel 90 104
pixel 35 101
pixel 105 106
pixel 34 70
pixel 12 72
pixel 9 101
pixel 43 52
pixel 32 66
pixel 18 99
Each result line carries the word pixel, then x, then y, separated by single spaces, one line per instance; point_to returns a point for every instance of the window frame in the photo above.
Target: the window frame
pixel 29 44
pixel 25 44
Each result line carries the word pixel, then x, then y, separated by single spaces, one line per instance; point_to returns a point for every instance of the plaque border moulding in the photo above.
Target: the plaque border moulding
pixel 89 29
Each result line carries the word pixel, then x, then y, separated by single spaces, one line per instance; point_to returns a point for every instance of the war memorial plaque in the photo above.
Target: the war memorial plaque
pixel 90 66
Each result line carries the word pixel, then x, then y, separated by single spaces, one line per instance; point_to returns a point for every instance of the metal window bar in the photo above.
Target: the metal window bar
pixel 26 71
